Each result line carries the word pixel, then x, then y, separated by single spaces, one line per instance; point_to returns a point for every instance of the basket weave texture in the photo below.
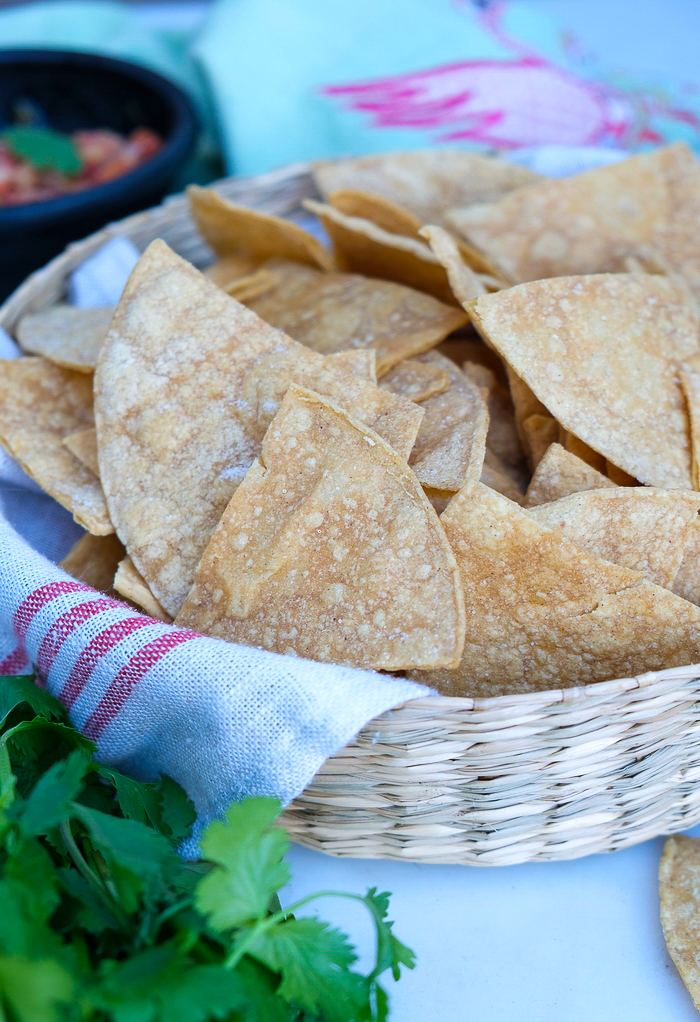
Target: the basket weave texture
pixel 547 775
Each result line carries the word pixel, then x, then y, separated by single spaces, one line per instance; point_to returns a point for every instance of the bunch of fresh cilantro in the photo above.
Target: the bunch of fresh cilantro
pixel 101 920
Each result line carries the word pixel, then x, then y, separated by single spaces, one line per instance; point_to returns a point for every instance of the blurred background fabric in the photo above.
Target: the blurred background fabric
pixel 278 81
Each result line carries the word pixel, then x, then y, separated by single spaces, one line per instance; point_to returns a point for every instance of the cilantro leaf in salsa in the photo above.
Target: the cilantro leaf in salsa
pixel 102 921
pixel 44 148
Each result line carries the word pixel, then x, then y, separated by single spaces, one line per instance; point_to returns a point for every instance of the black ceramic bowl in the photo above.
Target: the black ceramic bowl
pixel 85 90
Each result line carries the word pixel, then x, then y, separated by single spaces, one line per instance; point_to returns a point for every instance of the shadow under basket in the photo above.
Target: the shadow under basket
pixel 545 775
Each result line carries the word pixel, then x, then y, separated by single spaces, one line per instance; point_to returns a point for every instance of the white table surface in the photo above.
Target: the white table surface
pixel 576 941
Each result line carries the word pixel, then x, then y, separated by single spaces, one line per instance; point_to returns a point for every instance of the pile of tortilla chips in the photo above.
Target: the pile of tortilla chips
pixel 460 440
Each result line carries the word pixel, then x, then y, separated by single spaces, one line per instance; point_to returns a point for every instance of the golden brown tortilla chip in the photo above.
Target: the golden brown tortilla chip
pixel 502 438
pixel 687 580
pixel 330 550
pixel 335 311
pixel 679 889
pixel 451 441
pixel 236 230
pixel 425 182
pixel 229 269
pixel 590 222
pixel 415 380
pixel 577 447
pixel 560 473
pixel 65 334
pixel 381 211
pixel 93 560
pixel 465 283
pixel 544 614
pixel 360 246
pixel 186 385
pixel 245 289
pixel 601 353
pixel 40 404
pixel 618 475
pixel 638 527
pixel 84 446
pixel 362 362
pixel 130 584
pixel 689 376
pixel 499 477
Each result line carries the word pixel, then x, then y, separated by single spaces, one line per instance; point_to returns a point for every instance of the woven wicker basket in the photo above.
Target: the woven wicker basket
pixel 549 775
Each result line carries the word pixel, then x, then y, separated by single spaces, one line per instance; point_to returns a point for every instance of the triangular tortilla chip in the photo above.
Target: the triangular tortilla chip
pixel 381 211
pixel 360 246
pixel 465 283
pixel 560 473
pixel 451 441
pixel 246 289
pixel 226 271
pixel 40 404
pixel 602 354
pixel 638 527
pixel 415 380
pixel 93 560
pixel 334 311
pixel 330 550
pixel 84 446
pixel 689 376
pixel 65 334
pixel 362 362
pixel 130 584
pixel 499 477
pixel 679 889
pixel 544 614
pixel 502 438
pixel 687 580
pixel 425 182
pixel 237 230
pixel 590 222
pixel 186 384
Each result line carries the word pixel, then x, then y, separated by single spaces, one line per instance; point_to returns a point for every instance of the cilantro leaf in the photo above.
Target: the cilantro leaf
pixel 163 804
pixel 50 801
pixel 34 990
pixel 391 953
pixel 44 148
pixel 314 961
pixel 22 689
pixel 249 868
pixel 178 814
pixel 130 844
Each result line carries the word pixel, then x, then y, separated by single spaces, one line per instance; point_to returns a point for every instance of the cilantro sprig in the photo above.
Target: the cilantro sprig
pixel 43 148
pixel 102 921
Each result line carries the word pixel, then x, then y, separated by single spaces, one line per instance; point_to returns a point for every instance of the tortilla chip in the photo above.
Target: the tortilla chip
pixel 539 432
pixel 451 441
pixel 577 447
pixel 330 550
pixel 245 289
pixel 362 362
pixel 236 230
pixel 65 334
pixel 544 614
pixel 362 247
pixel 502 438
pixel 425 182
pixel 679 888
pixel 501 478
pixel 93 560
pixel 186 385
pixel 590 222
pixel 40 404
pixel 336 311
pixel 131 585
pixel 689 377
pixel 560 473
pixel 415 380
pixel 380 211
pixel 601 353
pixel 466 347
pixel 84 446
pixel 638 527
pixel 687 580
pixel 465 283
pixel 229 269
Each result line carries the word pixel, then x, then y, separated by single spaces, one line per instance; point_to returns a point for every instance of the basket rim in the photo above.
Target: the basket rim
pixel 63 264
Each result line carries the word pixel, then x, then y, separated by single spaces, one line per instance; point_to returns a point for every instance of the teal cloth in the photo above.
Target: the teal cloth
pixel 278 81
